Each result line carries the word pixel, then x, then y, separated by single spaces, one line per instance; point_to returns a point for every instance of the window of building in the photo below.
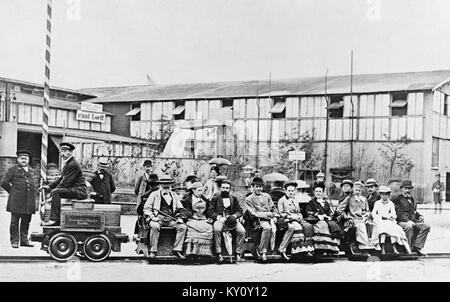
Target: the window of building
pixel 227 103
pixel 446 105
pixel 336 107
pixel 135 112
pixel 178 112
pixel 279 107
pixel 399 105
pixel 435 152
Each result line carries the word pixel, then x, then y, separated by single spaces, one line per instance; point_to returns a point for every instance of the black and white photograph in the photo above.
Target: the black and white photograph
pixel 224 141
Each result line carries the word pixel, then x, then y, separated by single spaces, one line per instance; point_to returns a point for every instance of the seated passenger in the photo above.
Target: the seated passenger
pixel 354 210
pixel 262 212
pixel 326 231
pixel 409 219
pixel 222 207
pixel 299 232
pixel 161 209
pixel 199 234
pixel 71 184
pixel 385 217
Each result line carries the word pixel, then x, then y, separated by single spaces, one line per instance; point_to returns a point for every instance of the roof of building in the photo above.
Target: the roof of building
pixel 86 134
pixel 362 83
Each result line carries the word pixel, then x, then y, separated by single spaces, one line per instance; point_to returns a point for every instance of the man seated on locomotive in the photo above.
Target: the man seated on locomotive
pixel 199 234
pixel 102 184
pixel 354 212
pixel 71 184
pixel 225 207
pixel 385 217
pixel 298 232
pixel 211 187
pixel 409 219
pixel 346 188
pixel 373 196
pixel 327 232
pixel 164 208
pixel 262 212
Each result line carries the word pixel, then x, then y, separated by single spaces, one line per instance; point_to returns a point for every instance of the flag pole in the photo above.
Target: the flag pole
pixel 45 108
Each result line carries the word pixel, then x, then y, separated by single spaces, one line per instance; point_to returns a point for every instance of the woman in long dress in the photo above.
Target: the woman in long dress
pixel 326 231
pixel 385 217
pixel 199 235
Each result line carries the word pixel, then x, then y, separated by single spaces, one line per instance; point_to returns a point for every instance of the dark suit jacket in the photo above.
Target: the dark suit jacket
pixel 72 178
pixel 22 190
pixel 186 201
pixel 371 199
pixel 405 210
pixel 103 187
pixel 276 194
pixel 216 206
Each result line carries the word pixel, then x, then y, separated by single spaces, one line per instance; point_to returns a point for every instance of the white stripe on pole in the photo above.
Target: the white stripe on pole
pixel 45 111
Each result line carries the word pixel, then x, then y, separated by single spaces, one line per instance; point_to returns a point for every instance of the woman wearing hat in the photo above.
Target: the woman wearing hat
pixel 211 186
pixel 297 227
pixel 199 236
pixel 385 217
pixel 354 210
pixel 326 231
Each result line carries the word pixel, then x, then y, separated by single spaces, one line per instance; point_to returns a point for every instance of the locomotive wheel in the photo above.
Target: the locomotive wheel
pixel 62 247
pixel 97 248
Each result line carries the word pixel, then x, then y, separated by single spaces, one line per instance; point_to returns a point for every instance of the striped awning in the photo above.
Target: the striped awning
pixel 278 107
pixel 133 111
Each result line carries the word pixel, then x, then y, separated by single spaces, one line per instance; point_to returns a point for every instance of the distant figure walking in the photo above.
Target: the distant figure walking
pixel 438 189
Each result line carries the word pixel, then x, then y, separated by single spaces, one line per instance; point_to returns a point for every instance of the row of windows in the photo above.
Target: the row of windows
pixel 28 114
pixel 395 104
pixel 88 150
pixel 440 103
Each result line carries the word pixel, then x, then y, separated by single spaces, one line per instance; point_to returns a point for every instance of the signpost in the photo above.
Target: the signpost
pixel 297 156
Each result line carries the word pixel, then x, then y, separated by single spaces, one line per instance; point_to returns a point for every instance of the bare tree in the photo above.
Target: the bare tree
pixel 392 153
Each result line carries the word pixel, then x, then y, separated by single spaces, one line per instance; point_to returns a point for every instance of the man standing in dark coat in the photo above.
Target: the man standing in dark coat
pixel 221 208
pixel 71 184
pixel 372 189
pixel 103 184
pixel 409 219
pixel 19 183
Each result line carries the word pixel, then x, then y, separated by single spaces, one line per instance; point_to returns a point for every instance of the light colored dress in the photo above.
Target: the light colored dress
pixel 199 236
pixel 381 213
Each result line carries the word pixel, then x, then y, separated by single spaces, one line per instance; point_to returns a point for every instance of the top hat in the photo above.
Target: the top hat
pixel 347 182
pixel 67 146
pixel 24 153
pixel 258 181
pixel 384 189
pixel 407 184
pixel 231 223
pixel 166 180
pixel 290 183
pixel 147 162
pixel 371 182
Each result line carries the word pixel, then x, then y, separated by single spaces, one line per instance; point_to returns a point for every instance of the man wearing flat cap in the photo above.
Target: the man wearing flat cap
pixel 372 188
pixel 262 212
pixel 71 184
pixel 222 207
pixel 103 183
pixel 409 219
pixel 162 209
pixel 19 183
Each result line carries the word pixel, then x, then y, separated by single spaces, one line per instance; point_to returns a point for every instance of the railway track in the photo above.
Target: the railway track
pixel 172 260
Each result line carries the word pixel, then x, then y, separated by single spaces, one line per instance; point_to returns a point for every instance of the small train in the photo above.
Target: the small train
pixel 93 230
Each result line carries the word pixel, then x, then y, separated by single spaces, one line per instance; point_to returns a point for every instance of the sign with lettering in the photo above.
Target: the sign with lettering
pixel 297 155
pixel 92 107
pixel 82 222
pixel 90 116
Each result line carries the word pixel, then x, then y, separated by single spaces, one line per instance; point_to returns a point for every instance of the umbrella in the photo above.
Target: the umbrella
pixel 275 177
pixel 273 233
pixel 228 239
pixel 220 161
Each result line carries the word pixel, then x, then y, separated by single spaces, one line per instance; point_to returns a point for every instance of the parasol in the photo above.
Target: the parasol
pixel 275 177
pixel 220 161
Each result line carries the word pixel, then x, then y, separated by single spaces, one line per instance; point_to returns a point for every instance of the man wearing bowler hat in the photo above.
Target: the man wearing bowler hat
pixel 225 210
pixel 144 182
pixel 19 183
pixel 103 183
pixel 372 189
pixel 409 219
pixel 162 208
pixel 71 184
